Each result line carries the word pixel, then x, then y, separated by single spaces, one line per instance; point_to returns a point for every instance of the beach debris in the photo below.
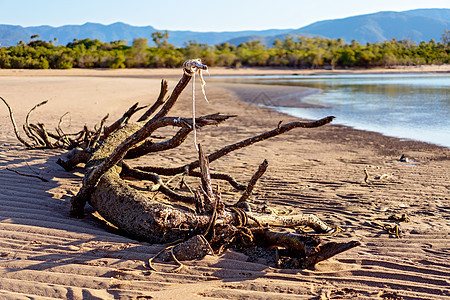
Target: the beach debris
pixel 194 223
pixel 379 178
pixel 383 177
pixel 389 295
pixel 366 176
pixel 403 158
pixel 41 138
pixel 196 247
pixel 397 218
pixel 27 175
pixel 393 229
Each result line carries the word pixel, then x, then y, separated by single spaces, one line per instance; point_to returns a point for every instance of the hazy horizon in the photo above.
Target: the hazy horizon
pixel 197 15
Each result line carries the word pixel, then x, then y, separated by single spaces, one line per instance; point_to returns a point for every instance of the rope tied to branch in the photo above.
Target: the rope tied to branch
pixel 190 67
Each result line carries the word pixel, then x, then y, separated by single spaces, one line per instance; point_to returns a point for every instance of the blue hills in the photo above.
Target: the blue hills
pixel 414 25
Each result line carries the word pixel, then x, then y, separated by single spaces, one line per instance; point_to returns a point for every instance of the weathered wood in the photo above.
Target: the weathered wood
pixel 73 158
pixel 152 221
pixel 146 219
pixel 309 220
pixel 45 136
pixel 327 251
pixel 212 225
pixel 143 218
pixel 181 85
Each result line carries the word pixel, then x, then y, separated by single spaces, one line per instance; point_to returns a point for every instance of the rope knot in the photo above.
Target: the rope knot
pixel 194 65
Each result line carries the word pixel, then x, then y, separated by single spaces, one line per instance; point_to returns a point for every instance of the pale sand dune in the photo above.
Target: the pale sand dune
pixel 46 254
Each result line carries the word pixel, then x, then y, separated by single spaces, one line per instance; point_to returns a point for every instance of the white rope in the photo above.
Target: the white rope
pixel 191 67
pixel 200 75
pixel 193 112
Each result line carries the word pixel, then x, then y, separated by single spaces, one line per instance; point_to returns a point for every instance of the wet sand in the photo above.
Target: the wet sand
pixel 45 253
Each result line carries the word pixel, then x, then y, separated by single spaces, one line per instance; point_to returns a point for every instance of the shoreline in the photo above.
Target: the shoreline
pixel 288 96
pixel 219 71
pixel 45 253
pixel 291 101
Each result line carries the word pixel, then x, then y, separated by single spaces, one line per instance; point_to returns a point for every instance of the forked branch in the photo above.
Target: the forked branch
pixel 160 101
pixel 123 120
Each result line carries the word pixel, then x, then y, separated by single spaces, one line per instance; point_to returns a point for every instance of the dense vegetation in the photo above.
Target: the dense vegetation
pixel 294 52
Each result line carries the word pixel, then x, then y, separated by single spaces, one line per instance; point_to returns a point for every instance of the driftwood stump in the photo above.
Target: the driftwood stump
pixel 209 226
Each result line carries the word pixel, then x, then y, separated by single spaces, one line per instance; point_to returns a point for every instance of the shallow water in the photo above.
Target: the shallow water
pixel 410 106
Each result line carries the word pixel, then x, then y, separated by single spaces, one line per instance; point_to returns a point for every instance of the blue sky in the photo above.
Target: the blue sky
pixel 205 15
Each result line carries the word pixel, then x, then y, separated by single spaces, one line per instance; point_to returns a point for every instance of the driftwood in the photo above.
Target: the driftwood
pixel 205 222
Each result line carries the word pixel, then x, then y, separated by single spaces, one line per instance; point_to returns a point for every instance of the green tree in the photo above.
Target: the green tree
pixel 160 39
pixel 446 38
pixel 138 54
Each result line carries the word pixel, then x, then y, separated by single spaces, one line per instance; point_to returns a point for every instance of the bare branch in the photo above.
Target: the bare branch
pixel 178 138
pixel 327 251
pixel 37 132
pixel 160 101
pixel 26 126
pixel 128 171
pixel 16 131
pixel 248 191
pixel 62 136
pixel 220 176
pixel 28 175
pixel 123 120
pixel 309 220
pixel 99 132
pixel 149 147
pixel 46 137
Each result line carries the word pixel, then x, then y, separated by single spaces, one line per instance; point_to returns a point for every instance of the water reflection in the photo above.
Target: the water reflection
pixel 407 106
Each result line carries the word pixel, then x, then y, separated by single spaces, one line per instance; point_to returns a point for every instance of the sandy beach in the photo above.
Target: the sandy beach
pixel 44 253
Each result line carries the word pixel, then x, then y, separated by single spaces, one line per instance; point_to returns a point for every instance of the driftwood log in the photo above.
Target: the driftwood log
pixel 209 225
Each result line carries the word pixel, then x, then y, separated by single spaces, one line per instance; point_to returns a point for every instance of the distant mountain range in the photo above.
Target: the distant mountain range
pixel 415 25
